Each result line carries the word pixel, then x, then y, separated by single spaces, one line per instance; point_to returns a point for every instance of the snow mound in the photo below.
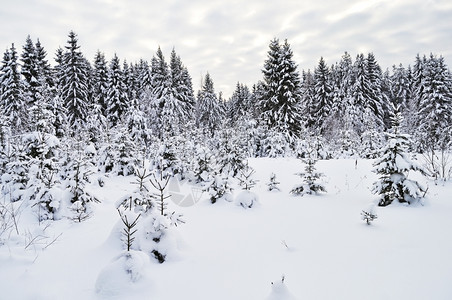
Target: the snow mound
pixel 280 291
pixel 125 270
pixel 246 199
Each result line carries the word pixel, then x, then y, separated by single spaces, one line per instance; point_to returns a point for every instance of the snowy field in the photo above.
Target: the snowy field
pixel 223 251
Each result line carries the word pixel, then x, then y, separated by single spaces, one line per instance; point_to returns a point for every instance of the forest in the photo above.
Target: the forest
pixel 71 127
pixel 60 123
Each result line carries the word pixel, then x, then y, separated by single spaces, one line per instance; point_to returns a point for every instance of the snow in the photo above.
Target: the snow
pixel 280 291
pixel 223 251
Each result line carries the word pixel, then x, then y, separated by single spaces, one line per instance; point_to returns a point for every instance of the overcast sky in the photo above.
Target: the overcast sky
pixel 230 38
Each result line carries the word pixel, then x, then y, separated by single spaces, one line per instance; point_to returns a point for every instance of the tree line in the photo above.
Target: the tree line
pixel 347 103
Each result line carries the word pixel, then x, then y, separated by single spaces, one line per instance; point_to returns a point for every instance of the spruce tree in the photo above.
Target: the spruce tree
pixel 310 176
pixel 144 77
pixel 378 101
pixel 209 108
pixel 43 66
pixel 435 107
pixel 29 72
pixel 74 82
pixel 179 109
pixel 322 96
pixel 307 98
pixel 239 106
pixel 281 102
pixel 116 95
pixel 100 78
pixel 393 167
pixel 11 103
pixel 158 94
pixel 400 87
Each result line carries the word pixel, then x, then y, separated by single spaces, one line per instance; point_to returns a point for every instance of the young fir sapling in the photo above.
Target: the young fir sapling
pixel 310 176
pixel 273 183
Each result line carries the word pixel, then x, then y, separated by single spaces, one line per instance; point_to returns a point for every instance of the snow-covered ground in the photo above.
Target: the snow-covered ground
pixel 318 243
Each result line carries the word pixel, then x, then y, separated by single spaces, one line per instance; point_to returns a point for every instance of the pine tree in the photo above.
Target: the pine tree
pixel 130 81
pixel 116 95
pixel 29 72
pixel 160 86
pixel 42 151
pixel 310 176
pixel 11 102
pixel 307 99
pixel 74 83
pixel 239 106
pixel 393 167
pixel 273 183
pixel 378 102
pixel 281 101
pixel 179 110
pixel 435 107
pixel 209 109
pixel 100 78
pixel 41 113
pixel 143 76
pixel 57 71
pixel 43 66
pixel 322 96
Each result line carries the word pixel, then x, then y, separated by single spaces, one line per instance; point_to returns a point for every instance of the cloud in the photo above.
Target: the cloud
pixel 230 39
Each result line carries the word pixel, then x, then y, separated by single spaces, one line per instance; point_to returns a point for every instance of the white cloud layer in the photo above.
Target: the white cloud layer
pixel 230 38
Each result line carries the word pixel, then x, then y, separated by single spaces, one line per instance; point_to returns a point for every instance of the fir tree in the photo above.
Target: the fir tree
pixel 238 107
pixel 209 109
pixel 74 85
pixel 143 76
pixel 100 78
pixel 281 101
pixel 308 99
pixel 116 95
pixel 393 167
pixel 180 107
pixel 322 96
pixel 310 176
pixel 43 66
pixel 435 107
pixel 11 103
pixel 29 72
pixel 273 183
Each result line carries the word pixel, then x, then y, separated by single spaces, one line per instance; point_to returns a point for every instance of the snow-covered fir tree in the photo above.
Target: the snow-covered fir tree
pixel 42 153
pixel 281 102
pixel 137 125
pixel 230 158
pixel 75 177
pixel 143 76
pixel 322 102
pixel 12 103
pixel 44 69
pixel 29 71
pixel 393 167
pixel 366 97
pixel 100 78
pixel 179 109
pixel 41 114
pixel 116 94
pixel 434 118
pixel 310 176
pixel 273 183
pixel 238 107
pixel 74 82
pixel 203 164
pixel 209 110
pixel 15 178
pixel 158 93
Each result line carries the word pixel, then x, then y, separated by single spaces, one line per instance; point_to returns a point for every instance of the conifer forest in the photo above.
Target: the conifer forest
pixel 78 132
